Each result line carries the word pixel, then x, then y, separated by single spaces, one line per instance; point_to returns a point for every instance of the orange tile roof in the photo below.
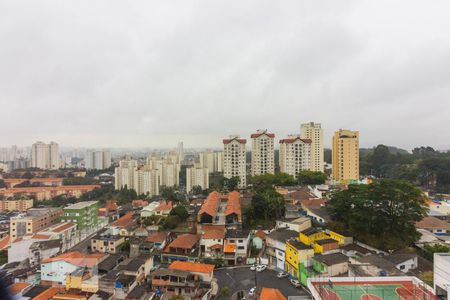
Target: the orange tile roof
pixel 37 189
pixel 64 227
pixel 192 267
pixel 125 220
pixel 233 204
pixel 164 205
pixel 293 140
pixel 77 258
pixel 111 205
pixel 41 236
pixel 5 241
pixel 139 203
pixel 211 204
pixel 434 223
pixel 17 287
pixel 309 203
pixel 261 234
pixel 213 232
pixel 48 294
pixel 157 237
pixel 271 294
pixel 229 248
pixel 240 141
pixel 186 241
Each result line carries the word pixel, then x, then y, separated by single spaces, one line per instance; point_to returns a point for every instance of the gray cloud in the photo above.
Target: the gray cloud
pixel 148 73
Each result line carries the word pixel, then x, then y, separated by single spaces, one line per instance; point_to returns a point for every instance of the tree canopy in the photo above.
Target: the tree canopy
pixel 381 214
pixel 180 211
pixel 307 177
pixel 266 206
pixel 232 183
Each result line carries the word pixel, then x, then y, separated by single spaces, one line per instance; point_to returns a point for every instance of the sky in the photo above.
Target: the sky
pixel 89 73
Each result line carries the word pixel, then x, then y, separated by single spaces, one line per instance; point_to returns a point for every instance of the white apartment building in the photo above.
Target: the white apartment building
pixel 98 159
pixel 170 174
pixel 442 274
pixel 197 176
pixel 45 156
pixel 313 131
pixel 213 160
pixel 295 155
pixel 146 181
pixel 124 174
pixel 180 151
pixel 234 162
pixel 263 155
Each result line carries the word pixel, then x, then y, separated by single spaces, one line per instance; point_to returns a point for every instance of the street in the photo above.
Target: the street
pixel 243 279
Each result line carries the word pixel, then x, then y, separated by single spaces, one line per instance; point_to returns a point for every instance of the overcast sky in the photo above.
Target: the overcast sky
pixel 152 73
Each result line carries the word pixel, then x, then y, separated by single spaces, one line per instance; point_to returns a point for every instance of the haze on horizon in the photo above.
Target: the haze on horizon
pixel 149 74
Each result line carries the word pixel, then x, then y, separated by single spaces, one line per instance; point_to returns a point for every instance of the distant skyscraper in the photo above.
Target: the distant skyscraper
pixel 124 174
pixel 263 160
pixel 197 176
pixel 213 160
pixel 98 159
pixel 313 131
pixel 295 155
pixel 345 155
pixel 146 181
pixel 45 156
pixel 180 152
pixel 234 162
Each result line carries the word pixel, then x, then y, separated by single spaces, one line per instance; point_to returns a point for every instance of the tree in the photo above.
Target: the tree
pixel 266 206
pixel 232 183
pixel 180 212
pixel 381 214
pixel 265 181
pixel 197 190
pixel 27 175
pixel 169 193
pixel 436 248
pixel 307 177
pixel 225 291
pixel 171 222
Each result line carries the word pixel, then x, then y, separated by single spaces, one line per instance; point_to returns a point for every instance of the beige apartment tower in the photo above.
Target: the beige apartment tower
pixel 263 160
pixel 345 155
pixel 234 160
pixel 313 131
pixel 295 155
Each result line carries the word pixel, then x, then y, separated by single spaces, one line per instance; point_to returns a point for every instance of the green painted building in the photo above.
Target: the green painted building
pixel 84 214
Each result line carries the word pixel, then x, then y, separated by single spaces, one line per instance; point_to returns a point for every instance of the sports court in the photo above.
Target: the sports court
pixel 372 290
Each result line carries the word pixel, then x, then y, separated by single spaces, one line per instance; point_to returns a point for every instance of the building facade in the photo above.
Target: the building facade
pixel 124 174
pixel 45 156
pixel 146 181
pixel 84 214
pixel 263 155
pixel 345 155
pixel 234 162
pixel 98 159
pixel 16 205
pixel 313 131
pixel 295 155
pixel 35 220
pixel 197 176
pixel 213 160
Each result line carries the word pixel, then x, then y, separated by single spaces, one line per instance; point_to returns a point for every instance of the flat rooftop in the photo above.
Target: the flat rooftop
pixel 80 205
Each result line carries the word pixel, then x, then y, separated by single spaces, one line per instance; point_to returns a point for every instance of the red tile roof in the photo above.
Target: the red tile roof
pixel 192 267
pixel 164 205
pixel 271 294
pixel 64 227
pixel 41 236
pixel 77 258
pixel 233 204
pixel 139 203
pixel 186 241
pixel 5 241
pixel 256 135
pixel 48 294
pixel 241 141
pixel 211 204
pixel 213 232
pixel 125 221
pixel 432 223
pixel 38 189
pixel 17 287
pixel 111 205
pixel 261 234
pixel 157 237
pixel 311 203
pixel 293 140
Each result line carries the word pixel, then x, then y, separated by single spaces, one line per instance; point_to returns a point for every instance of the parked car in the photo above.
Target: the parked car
pixel 261 268
pixel 295 282
pixel 282 275
pixel 253 267
pixel 252 291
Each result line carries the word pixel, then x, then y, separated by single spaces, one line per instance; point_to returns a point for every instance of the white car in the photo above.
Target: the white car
pixel 253 267
pixel 261 268
pixel 282 275
pixel 252 291
pixel 295 282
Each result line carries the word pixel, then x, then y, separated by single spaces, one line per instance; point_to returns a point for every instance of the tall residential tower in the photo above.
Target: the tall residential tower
pixel 263 160
pixel 313 131
pixel 45 156
pixel 345 155
pixel 234 161
pixel 295 155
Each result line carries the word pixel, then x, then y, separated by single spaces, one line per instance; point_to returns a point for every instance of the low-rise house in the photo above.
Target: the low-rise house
pixel 66 232
pixel 319 215
pixel 296 224
pixel 356 250
pixel 83 279
pixel 325 245
pixel 330 264
pixel 149 210
pixel 310 235
pixel 139 267
pixel 139 203
pixel 184 247
pixel 175 282
pixel 297 253
pixel 372 266
pixel 110 263
pixel 221 210
pixel 55 269
pixel 276 247
pixel 236 246
pixel 42 250
pixel 140 292
pixel 140 245
pixel 159 239
pixel 271 294
pixel 205 272
pixel 403 262
pixel 125 225
pixel 259 239
pixel 17 289
pixel 164 208
pixel 434 225
pixel 211 241
pixel 107 243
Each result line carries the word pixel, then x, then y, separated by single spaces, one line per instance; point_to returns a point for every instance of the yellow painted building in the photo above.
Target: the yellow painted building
pixel 297 252
pixel 310 235
pixel 82 280
pixel 345 155
pixel 341 239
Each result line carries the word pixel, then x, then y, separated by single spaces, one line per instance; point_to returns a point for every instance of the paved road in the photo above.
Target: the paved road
pixel 244 279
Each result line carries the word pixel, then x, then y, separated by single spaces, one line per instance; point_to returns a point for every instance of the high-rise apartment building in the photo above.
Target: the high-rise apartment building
pixel 84 214
pixel 98 159
pixel 146 181
pixel 124 174
pixel 345 155
pixel 295 155
pixel 45 156
pixel 197 176
pixel 213 160
pixel 180 152
pixel 263 155
pixel 169 173
pixel 35 220
pixel 313 131
pixel 234 162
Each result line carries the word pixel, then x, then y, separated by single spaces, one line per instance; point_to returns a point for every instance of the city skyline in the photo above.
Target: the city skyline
pixel 152 74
